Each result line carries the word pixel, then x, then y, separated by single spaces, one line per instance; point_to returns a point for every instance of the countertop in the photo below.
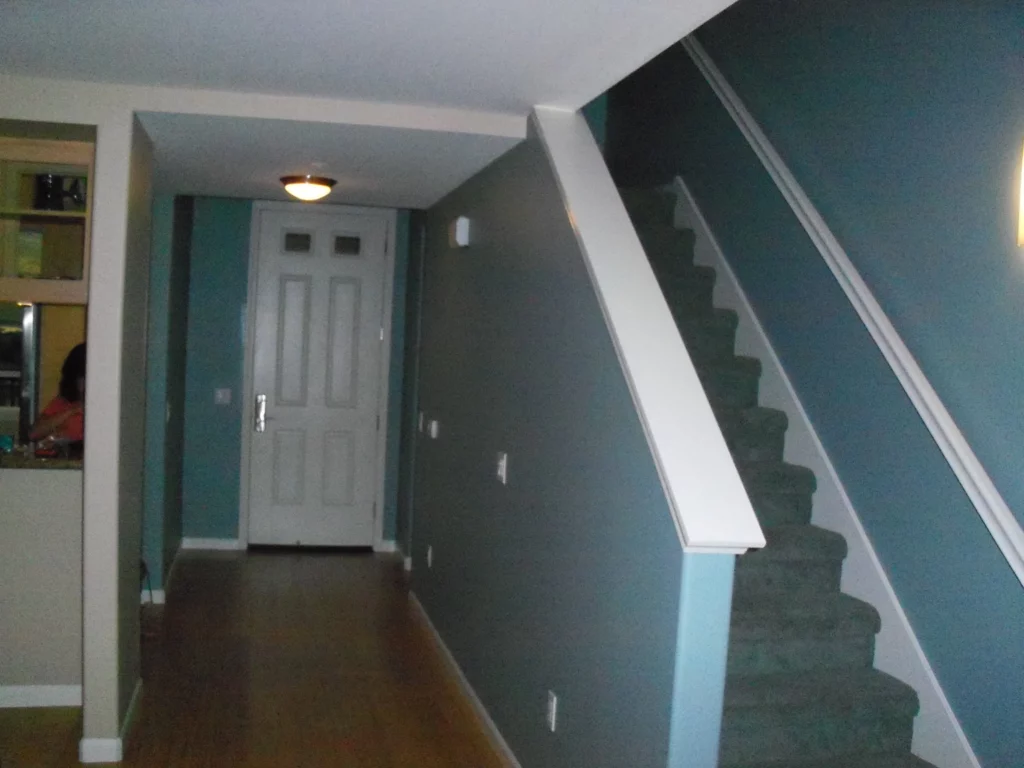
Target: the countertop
pixel 20 461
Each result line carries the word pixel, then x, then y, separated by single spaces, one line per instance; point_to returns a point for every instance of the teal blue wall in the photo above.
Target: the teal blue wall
pixel 217 301
pixel 218 285
pixel 596 114
pixel 165 377
pixel 568 578
pixel 156 387
pixel 903 122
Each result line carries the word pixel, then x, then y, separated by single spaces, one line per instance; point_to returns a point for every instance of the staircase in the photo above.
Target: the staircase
pixel 801 691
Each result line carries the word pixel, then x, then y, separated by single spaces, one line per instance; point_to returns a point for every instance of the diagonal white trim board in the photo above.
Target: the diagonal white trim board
pixel 453 666
pixel 991 507
pixel 938 736
pixel 23 696
pixel 709 505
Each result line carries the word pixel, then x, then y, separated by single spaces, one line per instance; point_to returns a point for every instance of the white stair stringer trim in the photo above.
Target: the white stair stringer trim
pixel 938 737
pixel 453 666
pixel 991 507
pixel 705 495
pixel 24 696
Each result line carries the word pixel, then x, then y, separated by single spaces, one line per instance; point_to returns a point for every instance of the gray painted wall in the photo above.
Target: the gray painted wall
pixel 568 578
pixel 133 414
pixel 892 119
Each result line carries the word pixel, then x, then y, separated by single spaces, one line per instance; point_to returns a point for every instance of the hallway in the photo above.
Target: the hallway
pixel 280 659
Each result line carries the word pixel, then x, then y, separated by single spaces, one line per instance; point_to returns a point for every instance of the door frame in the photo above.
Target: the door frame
pixel 390 216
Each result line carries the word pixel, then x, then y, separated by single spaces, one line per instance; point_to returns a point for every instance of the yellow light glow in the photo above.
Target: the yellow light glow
pixel 307 188
pixel 1020 203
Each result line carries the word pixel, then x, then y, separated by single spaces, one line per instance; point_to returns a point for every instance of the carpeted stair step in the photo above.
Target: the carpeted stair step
pixel 780 493
pixel 753 434
pixel 649 207
pixel 771 636
pixel 688 291
pixel 731 383
pixel 667 248
pixel 851 761
pixel 798 560
pixel 822 716
pixel 711 337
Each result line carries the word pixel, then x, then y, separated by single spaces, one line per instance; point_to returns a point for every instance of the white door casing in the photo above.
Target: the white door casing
pixel 318 339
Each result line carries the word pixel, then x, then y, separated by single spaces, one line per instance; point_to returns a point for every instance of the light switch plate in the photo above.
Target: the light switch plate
pixel 222 396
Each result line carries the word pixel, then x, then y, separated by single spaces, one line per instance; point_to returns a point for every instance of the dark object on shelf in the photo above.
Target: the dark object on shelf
pixel 74 195
pixel 49 192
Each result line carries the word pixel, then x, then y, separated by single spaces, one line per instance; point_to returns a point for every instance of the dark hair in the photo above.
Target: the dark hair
pixel 72 370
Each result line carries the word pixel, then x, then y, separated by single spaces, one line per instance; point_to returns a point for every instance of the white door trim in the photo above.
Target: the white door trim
pixel 391 216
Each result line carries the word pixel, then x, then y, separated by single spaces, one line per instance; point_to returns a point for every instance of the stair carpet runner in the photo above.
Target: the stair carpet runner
pixel 801 691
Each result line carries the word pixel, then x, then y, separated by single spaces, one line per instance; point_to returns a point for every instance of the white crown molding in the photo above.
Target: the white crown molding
pixel 992 508
pixel 24 696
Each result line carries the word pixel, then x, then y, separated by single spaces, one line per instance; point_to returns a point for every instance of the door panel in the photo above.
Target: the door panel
pixel 317 353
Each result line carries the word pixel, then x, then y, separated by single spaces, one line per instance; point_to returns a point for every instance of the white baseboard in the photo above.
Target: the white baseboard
pixel 385 546
pixel 23 696
pixel 100 751
pixel 938 737
pixel 478 706
pixel 212 544
pixel 154 596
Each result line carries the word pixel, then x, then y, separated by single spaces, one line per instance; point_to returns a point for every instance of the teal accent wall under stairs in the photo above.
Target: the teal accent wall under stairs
pixel 801 689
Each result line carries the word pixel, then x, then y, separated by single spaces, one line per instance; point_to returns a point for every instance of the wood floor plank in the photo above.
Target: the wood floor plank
pixel 269 659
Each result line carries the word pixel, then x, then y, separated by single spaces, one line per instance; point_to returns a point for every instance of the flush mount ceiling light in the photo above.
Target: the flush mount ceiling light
pixel 307 188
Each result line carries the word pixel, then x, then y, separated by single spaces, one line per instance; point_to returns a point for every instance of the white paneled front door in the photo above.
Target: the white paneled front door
pixel 316 377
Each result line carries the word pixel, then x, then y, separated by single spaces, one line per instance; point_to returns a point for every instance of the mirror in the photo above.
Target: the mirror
pixel 35 339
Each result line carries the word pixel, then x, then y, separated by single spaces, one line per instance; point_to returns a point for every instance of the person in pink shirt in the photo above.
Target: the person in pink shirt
pixel 64 417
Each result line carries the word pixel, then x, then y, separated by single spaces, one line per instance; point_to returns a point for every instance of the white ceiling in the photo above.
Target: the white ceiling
pixel 500 57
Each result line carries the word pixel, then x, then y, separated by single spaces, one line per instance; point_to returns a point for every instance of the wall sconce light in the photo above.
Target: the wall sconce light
pixel 458 232
pixel 307 188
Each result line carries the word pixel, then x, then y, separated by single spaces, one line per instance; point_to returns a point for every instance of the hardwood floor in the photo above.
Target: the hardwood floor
pixel 280 659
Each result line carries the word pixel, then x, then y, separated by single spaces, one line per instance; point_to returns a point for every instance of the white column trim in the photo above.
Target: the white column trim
pixel 991 507
pixel 100 751
pixel 709 505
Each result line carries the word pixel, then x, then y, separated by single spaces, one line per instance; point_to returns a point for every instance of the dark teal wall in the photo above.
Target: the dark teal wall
pixel 568 578
pixel 215 359
pixel 218 285
pixel 395 375
pixel 903 122
pixel 156 388
pixel 177 350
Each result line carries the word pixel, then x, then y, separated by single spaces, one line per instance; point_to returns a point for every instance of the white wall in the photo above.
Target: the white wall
pixel 40 581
